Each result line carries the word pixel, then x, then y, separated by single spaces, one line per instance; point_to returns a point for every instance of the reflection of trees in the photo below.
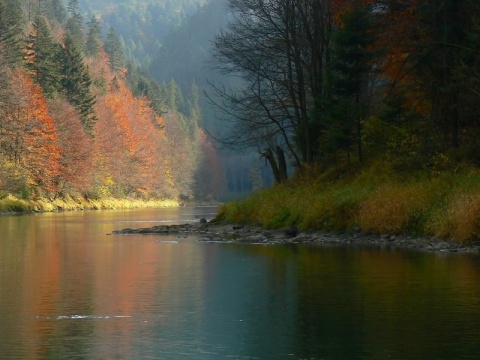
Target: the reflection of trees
pixel 372 303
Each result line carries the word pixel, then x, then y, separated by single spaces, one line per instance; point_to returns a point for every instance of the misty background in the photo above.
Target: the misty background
pixel 172 40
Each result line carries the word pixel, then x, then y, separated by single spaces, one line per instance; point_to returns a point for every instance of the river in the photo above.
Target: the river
pixel 69 290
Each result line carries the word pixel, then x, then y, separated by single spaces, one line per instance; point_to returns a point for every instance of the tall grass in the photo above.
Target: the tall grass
pixel 446 206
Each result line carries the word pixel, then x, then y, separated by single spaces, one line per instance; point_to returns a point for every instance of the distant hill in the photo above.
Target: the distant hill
pixel 142 25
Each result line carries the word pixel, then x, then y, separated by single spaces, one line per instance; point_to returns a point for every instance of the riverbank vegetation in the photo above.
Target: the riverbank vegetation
pixel 374 200
pixel 374 103
pixel 11 204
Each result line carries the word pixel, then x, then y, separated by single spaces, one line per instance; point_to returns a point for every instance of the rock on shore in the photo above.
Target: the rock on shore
pixel 256 235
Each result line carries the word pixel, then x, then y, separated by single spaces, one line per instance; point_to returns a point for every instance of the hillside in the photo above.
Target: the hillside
pixel 76 122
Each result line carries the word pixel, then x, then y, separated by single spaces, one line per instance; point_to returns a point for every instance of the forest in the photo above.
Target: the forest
pixel 78 121
pixel 367 109
pixel 374 103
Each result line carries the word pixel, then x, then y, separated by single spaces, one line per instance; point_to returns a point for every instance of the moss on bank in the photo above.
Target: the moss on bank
pixel 12 204
pixel 446 205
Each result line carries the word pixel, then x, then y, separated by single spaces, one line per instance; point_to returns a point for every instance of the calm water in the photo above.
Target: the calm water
pixel 70 291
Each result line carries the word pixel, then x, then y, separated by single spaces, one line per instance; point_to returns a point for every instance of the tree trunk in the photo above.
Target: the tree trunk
pixel 282 164
pixel 268 154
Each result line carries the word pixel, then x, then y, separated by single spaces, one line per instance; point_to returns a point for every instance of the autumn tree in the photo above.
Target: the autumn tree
pixel 428 52
pixel 28 136
pixel 76 170
pixel 130 156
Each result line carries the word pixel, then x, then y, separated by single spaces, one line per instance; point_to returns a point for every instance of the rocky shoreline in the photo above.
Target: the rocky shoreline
pixel 209 232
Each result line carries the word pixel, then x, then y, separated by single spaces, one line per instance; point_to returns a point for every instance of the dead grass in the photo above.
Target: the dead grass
pixel 446 206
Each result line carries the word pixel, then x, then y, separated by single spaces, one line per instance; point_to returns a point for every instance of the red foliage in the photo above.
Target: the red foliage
pixel 76 160
pixel 28 133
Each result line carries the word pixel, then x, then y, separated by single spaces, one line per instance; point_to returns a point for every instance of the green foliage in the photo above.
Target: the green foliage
pixel 74 25
pixel 11 31
pixel 350 79
pixel 41 57
pixel 55 10
pixel 76 82
pixel 114 49
pixel 94 37
pixel 143 85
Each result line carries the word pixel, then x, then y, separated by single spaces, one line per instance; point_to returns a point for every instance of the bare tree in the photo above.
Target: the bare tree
pixel 280 50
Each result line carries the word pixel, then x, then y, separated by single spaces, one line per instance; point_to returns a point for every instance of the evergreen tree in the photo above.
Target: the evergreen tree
pixel 143 85
pixel 75 24
pixel 114 49
pixel 350 78
pixel 93 37
pixel 55 11
pixel 41 57
pixel 11 30
pixel 76 83
pixel 173 96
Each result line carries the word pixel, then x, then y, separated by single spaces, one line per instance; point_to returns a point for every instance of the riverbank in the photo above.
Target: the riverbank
pixel 214 232
pixel 374 200
pixel 14 205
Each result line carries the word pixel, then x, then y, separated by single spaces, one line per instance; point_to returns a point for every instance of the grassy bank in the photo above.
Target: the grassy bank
pixel 12 204
pixel 376 200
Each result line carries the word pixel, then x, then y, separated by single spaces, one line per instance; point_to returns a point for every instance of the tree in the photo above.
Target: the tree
pixel 55 11
pixel 94 39
pixel 76 149
pixel 76 83
pixel 28 136
pixel 114 50
pixel 351 78
pixel 281 50
pixel 74 25
pixel 428 53
pixel 41 57
pixel 11 30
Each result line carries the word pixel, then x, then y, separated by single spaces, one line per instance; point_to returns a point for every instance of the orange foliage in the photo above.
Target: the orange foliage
pixel 28 133
pixel 129 142
pixel 76 161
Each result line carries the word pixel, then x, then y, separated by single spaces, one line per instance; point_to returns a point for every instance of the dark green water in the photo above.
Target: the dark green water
pixel 70 291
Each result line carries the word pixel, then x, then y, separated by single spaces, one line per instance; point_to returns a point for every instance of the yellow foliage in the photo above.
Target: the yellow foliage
pixel 389 208
pixel 460 219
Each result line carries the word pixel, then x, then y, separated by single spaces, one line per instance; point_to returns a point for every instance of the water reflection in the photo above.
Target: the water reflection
pixel 69 290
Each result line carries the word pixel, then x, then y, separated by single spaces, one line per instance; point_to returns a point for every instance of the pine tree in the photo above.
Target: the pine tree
pixel 41 57
pixel 75 24
pixel 55 11
pixel 114 49
pixel 11 30
pixel 93 37
pixel 350 77
pixel 76 83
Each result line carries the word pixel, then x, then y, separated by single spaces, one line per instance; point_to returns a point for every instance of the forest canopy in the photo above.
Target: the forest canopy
pixel 76 119
pixel 350 81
